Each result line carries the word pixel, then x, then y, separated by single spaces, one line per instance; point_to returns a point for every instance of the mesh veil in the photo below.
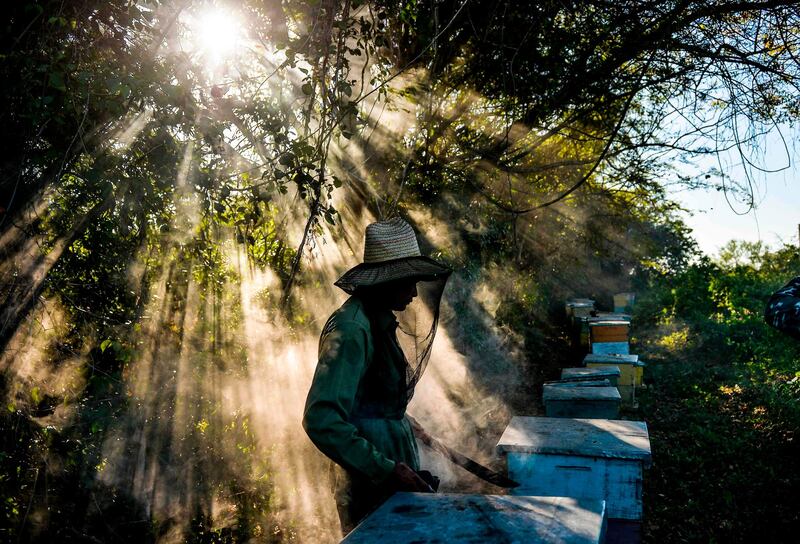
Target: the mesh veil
pixel 417 328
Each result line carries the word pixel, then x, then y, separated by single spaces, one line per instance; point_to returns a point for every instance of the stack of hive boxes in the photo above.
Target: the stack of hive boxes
pixel 609 340
pixel 631 371
pixel 580 468
pixel 579 310
pixel 609 335
pixel 601 459
pixel 581 449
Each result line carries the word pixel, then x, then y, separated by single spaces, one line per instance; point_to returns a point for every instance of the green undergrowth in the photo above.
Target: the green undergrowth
pixel 721 405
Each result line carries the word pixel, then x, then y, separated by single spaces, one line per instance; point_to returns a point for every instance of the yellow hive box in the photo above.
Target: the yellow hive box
pixel 631 369
pixel 623 302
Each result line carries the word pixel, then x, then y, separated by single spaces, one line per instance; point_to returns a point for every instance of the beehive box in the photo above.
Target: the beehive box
pixel 583 458
pixel 630 367
pixel 472 519
pixel 610 373
pixel 608 330
pixel 579 307
pixel 581 402
pixel 623 302
pixel 610 348
pixel 579 383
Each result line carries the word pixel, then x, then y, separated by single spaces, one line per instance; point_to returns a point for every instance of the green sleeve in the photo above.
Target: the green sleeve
pixel 342 364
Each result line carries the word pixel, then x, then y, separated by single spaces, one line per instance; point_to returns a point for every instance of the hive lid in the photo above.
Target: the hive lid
pixel 589 373
pixel 580 304
pixel 579 301
pixel 608 438
pixel 597 322
pixel 552 392
pixel 617 316
pixel 591 382
pixel 613 358
pixel 473 519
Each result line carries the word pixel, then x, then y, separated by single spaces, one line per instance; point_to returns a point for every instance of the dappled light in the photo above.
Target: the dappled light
pixel 183 182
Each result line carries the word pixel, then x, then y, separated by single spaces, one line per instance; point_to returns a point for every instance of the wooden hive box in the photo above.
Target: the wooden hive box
pixel 581 402
pixel 630 367
pixel 420 518
pixel 610 373
pixel 582 458
pixel 608 330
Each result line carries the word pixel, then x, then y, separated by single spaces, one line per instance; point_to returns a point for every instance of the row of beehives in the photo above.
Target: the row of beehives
pixel 609 375
pixel 582 449
pixel 579 469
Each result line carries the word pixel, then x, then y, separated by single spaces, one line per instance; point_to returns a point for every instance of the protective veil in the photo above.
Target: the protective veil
pixel 417 328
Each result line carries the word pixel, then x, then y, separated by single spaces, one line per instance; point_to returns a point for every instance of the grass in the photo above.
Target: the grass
pixel 723 431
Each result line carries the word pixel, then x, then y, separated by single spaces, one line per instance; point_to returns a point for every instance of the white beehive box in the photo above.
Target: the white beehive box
pixel 584 458
pixel 581 402
pixel 579 383
pixel 610 373
pixel 408 518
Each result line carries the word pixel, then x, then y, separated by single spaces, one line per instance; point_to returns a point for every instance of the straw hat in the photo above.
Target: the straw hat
pixel 391 252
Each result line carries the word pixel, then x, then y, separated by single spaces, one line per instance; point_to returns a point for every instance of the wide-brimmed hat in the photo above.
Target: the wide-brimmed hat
pixel 391 252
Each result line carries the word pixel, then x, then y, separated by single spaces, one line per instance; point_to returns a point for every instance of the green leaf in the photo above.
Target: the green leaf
pixel 345 88
pixel 306 88
pixel 104 345
pixel 56 80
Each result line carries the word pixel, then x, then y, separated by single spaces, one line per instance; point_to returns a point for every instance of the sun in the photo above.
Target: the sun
pixel 218 35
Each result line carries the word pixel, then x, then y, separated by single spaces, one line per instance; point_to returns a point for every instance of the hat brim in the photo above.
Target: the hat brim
pixel 365 275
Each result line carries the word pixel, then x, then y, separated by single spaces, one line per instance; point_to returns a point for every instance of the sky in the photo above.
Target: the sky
pixel 775 219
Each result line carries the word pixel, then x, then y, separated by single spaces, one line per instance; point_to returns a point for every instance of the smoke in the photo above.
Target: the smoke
pixel 204 431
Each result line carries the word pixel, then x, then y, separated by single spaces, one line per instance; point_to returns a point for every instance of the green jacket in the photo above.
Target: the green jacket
pixel 355 410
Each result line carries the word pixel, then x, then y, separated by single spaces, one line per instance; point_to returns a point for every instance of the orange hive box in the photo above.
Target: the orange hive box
pixel 609 331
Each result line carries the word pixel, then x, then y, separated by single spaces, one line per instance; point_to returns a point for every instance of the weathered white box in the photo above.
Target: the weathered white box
pixel 610 373
pixel 581 402
pixel 579 383
pixel 584 458
pixel 408 518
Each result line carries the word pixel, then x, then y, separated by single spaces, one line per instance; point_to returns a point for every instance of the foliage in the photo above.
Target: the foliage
pixel 134 165
pixel 722 405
